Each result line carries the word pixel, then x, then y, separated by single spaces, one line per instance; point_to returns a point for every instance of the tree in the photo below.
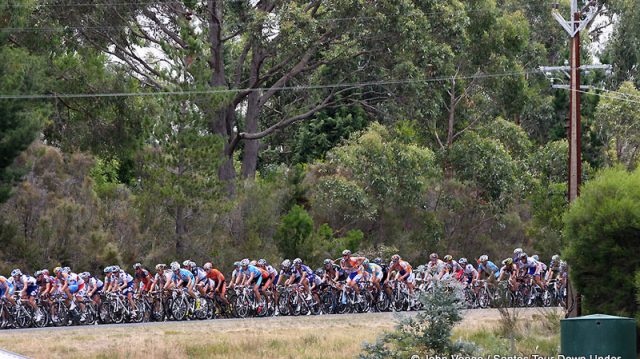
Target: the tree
pixel 619 125
pixel 601 228
pixel 254 49
pixel 21 72
pixel 179 174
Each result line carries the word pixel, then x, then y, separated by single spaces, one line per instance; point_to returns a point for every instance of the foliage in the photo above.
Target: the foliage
pixel 20 73
pixel 56 217
pixel 619 125
pixel 601 228
pixel 180 173
pixel 428 333
pixel 294 233
pixel 487 163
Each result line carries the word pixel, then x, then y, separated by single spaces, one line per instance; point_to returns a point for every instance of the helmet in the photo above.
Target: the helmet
pixel 115 269
pixel 328 261
pixel 236 264
pixel 187 263
pixel 253 263
pixel 207 266
pixel 45 271
pixel 107 269
pixel 286 263
pixel 160 266
pixel 448 258
pixel 377 261
pixel 56 270
pixel 468 268
pixel 555 257
pixel 37 273
pixel 245 262
pixel 433 256
pixel 563 265
pixel 262 262
pixel 483 258
pixel 85 275
pixel 297 262
pixel 137 266
pixel 175 266
pixel 16 272
pixel 508 261
pixel 462 261
pixel 517 251
pixel 66 269
pixel 536 257
pixel 523 255
pixel 395 258
pixel 319 272
pixel 346 252
pixel 420 268
pixel 365 262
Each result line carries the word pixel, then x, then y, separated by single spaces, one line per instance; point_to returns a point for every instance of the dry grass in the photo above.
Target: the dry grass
pixel 335 336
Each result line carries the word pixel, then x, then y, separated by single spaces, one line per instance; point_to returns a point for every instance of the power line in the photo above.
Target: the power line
pixel 283 88
pixel 624 99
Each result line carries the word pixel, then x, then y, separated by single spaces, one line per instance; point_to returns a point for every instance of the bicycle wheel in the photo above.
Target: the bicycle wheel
pixel 157 310
pixel 22 317
pixel 40 317
pixel 242 306
pixel 179 309
pixel 383 302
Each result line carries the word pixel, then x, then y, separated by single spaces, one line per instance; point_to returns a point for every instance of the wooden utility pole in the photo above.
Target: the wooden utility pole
pixel 579 20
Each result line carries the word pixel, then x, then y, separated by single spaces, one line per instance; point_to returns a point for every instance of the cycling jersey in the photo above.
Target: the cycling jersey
pixel 488 268
pixel 350 265
pixel 183 275
pixel 436 267
pixel 199 274
pixel 5 286
pixel 331 273
pixel 75 283
pixel 455 266
pixel 470 273
pixel 94 282
pixel 305 269
pixel 374 269
pixel 216 275
pixel 529 267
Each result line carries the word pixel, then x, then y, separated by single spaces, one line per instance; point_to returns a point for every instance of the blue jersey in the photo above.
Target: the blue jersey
pixel 252 271
pixel 488 268
pixel 183 275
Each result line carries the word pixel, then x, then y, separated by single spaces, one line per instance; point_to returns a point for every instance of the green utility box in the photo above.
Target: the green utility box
pixel 598 336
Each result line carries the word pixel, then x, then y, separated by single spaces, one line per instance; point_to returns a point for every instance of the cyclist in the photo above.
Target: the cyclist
pixel 333 273
pixel 470 275
pixel 529 266
pixel 142 279
pixel 94 286
pixel 375 272
pixel 162 278
pixel 553 268
pixel 26 285
pixel 200 275
pixel 44 283
pixel 71 285
pixel 182 278
pixel 236 275
pixel 456 268
pixel 6 290
pixel 305 276
pixel 508 271
pixel 405 273
pixel 217 283
pixel 435 266
pixel 252 278
pixel 488 268
pixel 516 254
pixel 123 282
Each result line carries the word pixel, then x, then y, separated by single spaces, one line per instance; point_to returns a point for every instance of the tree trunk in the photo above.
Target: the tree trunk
pixel 250 153
pixel 181 230
pixel 448 169
pixel 221 122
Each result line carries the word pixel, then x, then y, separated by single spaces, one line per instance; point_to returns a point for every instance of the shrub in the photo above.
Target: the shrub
pixel 602 229
pixel 426 334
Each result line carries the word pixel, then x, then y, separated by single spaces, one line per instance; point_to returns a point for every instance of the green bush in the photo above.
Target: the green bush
pixel 602 229
pixel 428 333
